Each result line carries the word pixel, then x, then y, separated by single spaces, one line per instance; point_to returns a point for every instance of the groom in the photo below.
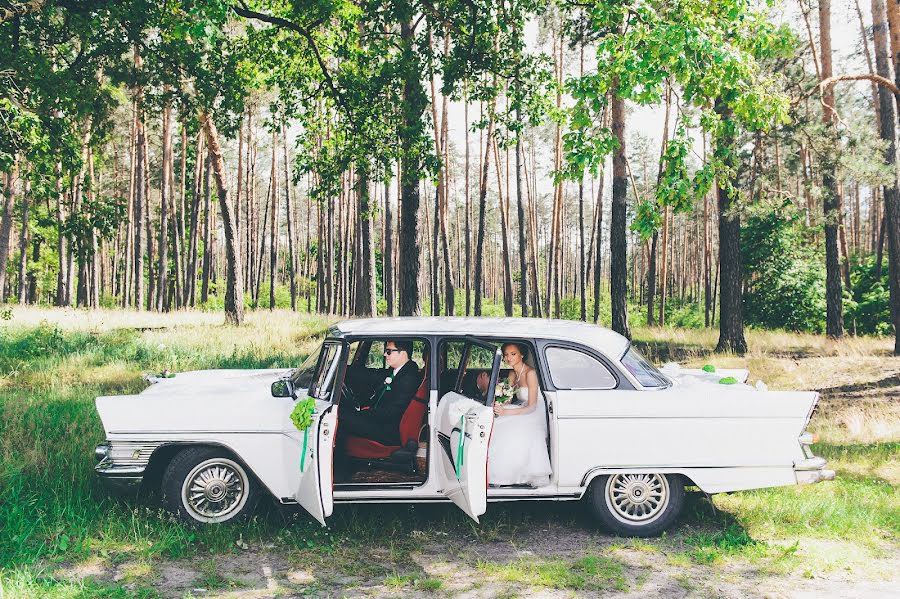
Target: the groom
pixel 380 420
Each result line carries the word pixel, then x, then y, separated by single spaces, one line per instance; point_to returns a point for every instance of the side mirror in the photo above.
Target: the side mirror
pixel 283 388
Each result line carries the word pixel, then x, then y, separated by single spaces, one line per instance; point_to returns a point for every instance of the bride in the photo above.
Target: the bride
pixel 517 454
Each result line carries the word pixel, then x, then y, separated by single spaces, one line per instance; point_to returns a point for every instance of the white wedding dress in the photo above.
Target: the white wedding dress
pixel 517 454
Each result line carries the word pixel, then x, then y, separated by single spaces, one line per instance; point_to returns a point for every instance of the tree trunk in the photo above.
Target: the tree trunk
pixel 23 246
pixel 618 236
pixel 140 199
pixel 582 262
pixel 61 238
pixel 482 208
pixel 664 275
pixel 833 293
pixel 651 279
pixel 208 223
pixel 731 315
pixel 36 243
pixel 291 223
pixel 412 107
pixel 506 266
pixel 190 281
pixel 887 129
pixel 165 199
pixel 598 249
pixel 93 281
pixel 234 288
pixel 6 221
pixel 273 228
pixel 387 253
pixel 520 212
pixel 468 215
pixel 365 290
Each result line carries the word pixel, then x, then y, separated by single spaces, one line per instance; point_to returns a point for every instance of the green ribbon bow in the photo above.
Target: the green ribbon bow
pixel 461 445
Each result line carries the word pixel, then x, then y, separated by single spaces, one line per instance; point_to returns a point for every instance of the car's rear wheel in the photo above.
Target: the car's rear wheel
pixel 207 485
pixel 638 505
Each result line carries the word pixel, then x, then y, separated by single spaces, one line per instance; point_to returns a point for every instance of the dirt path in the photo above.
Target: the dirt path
pixel 551 561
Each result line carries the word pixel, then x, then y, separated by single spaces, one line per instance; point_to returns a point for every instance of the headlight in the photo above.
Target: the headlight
pixel 101 452
pixel 808 438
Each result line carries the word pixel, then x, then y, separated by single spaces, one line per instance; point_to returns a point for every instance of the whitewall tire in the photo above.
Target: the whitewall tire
pixel 637 504
pixel 206 485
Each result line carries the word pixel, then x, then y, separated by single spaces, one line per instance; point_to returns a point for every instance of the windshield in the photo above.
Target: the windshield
pixel 646 373
pixel 302 377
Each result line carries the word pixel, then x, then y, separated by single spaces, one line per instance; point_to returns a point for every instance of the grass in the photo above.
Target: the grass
pixel 588 573
pixel 55 516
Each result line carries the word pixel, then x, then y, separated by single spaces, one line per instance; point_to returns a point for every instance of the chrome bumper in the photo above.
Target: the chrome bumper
pixel 121 479
pixel 812 470
pixel 121 464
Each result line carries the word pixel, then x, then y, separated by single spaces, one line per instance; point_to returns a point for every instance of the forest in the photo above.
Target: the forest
pixel 692 163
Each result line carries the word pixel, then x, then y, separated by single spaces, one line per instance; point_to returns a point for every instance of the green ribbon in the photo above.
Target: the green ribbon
pixel 305 443
pixel 387 387
pixel 461 444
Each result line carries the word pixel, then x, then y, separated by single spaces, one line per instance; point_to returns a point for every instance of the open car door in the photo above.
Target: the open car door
pixel 463 425
pixel 315 446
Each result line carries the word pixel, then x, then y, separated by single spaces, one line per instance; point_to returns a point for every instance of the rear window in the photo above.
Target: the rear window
pixel 646 373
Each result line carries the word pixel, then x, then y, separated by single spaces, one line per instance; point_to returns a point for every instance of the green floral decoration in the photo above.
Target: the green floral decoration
pixel 302 414
pixel 728 380
pixel 709 368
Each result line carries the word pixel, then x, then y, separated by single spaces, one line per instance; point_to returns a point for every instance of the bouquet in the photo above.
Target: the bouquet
pixel 504 392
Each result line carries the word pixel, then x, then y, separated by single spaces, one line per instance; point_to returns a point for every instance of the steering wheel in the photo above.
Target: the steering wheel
pixel 347 393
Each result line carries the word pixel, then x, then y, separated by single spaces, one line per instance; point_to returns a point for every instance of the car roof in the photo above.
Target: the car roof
pixel 607 341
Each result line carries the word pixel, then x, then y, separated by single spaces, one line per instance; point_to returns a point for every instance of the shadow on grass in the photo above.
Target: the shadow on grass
pixel 885 383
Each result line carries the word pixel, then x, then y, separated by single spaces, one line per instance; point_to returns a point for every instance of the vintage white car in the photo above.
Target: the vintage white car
pixel 621 434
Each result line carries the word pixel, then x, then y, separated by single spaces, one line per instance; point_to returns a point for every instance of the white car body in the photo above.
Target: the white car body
pixel 719 437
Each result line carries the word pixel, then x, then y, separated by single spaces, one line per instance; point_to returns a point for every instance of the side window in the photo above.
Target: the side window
pixel 480 359
pixel 573 369
pixel 375 359
pixel 328 364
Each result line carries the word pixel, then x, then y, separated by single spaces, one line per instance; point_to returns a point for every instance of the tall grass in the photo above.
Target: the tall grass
pixel 53 363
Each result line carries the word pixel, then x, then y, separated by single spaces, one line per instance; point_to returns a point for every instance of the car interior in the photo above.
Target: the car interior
pixel 362 461
pixel 365 462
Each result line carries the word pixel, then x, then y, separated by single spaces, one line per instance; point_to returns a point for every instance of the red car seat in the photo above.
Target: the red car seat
pixel 373 452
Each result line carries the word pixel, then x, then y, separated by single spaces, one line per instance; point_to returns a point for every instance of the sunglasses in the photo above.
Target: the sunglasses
pixel 388 351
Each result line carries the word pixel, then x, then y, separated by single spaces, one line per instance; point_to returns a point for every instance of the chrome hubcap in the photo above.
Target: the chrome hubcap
pixel 637 498
pixel 215 489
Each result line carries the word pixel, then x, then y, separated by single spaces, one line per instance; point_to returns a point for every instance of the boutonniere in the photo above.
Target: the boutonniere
pixel 387 387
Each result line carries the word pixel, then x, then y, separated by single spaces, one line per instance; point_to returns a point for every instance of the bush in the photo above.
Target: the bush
pixel 784 272
pixel 868 310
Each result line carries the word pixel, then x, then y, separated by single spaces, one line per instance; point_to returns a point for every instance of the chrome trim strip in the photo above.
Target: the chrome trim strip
pixel 667 469
pixel 813 463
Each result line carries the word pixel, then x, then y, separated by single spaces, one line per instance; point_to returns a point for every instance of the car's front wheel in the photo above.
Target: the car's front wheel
pixel 637 505
pixel 207 485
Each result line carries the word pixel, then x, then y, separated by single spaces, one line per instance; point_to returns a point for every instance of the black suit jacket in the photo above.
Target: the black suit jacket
pixel 389 409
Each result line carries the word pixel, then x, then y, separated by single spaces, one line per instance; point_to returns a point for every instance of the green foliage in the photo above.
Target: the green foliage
pixel 785 270
pixel 709 52
pixel 868 310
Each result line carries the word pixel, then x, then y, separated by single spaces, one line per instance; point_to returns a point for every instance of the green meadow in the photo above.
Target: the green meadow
pixel 63 535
